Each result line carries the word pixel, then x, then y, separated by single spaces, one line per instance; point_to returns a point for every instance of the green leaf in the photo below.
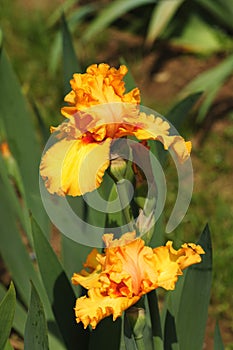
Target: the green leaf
pixel 8 173
pixel 7 310
pixel 39 108
pixel 21 269
pixel 170 333
pixel 218 343
pixel 8 346
pixel 110 13
pixel 1 39
pixel 21 136
pixel 20 321
pixel 221 9
pixel 210 82
pixel 59 291
pixel 107 335
pixel 59 11
pixel 161 16
pixel 155 320
pixel 169 314
pixel 77 16
pixel 36 332
pixel 177 115
pixel 55 53
pixel 73 257
pixel 20 314
pixel 193 307
pixel 198 36
pixel 179 112
pixel 70 61
pixel 128 79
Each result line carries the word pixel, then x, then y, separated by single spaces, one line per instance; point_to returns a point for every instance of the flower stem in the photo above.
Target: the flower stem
pixel 124 199
pixel 140 343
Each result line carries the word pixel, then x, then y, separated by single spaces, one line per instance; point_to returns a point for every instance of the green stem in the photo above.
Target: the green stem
pixel 124 198
pixel 140 343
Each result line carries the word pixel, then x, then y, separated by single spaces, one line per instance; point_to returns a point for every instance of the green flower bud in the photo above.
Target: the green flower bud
pixel 137 320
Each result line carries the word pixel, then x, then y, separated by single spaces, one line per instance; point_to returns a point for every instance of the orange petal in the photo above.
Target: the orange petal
pixel 95 307
pixel 100 84
pixel 134 260
pixel 74 167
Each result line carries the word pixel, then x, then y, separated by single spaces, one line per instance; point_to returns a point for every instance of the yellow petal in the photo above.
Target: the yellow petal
pixel 129 271
pixel 189 255
pixel 149 127
pixel 75 167
pixel 171 262
pixel 51 166
pixel 124 239
pixel 92 309
pixel 92 263
pixel 89 279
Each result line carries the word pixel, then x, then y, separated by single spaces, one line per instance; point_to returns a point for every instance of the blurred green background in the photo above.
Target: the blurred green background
pixel 172 48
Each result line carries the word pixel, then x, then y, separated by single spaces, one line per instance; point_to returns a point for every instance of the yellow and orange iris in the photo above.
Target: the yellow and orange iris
pixel 99 112
pixel 117 279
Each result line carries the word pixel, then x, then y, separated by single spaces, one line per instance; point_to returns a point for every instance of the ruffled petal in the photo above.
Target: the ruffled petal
pixel 124 239
pixel 75 167
pixel 170 262
pixel 189 254
pixel 149 127
pixel 89 278
pixel 129 257
pixel 92 309
pixel 99 85
pixel 127 272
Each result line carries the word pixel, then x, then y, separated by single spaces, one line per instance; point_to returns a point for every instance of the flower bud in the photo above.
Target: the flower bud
pixel 118 168
pixel 137 321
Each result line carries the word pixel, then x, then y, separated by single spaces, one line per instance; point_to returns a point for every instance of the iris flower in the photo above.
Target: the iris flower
pixel 117 279
pixel 99 111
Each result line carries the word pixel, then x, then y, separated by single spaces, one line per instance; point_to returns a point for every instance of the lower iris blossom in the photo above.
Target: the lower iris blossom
pixel 126 271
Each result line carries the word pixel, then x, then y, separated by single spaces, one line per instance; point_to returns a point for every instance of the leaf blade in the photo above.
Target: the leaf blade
pixel 162 14
pixel 36 332
pixel 179 112
pixel 7 310
pixel 218 343
pixel 58 289
pixel 195 298
pixel 22 137
pixel 110 13
pixel 70 61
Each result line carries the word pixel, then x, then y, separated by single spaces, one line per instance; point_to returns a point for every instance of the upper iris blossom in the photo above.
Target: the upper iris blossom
pixel 99 111
pixel 117 279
